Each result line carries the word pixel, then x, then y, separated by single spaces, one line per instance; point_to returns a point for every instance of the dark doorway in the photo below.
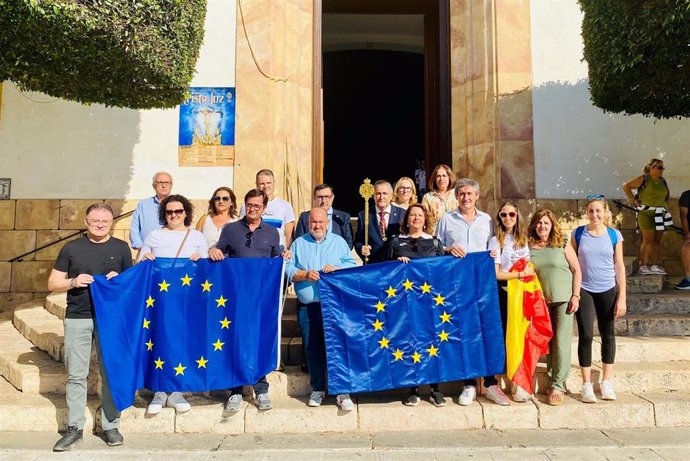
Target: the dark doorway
pixel 385 84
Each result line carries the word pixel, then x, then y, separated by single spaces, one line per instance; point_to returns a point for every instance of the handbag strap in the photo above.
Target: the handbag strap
pixel 182 243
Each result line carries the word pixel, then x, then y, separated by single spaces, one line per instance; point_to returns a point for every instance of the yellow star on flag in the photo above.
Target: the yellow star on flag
pixel 439 299
pixel 186 279
pixel 443 335
pixel 206 286
pixel 149 302
pixel 164 286
pixel 384 342
pixel 433 351
pixel 202 362
pixel 159 363
pixel 179 370
pixel 149 345
pixel 398 354
pixel 391 292
pixel 218 345
pixel 225 323
pixel 407 284
pixel 445 317
pixel 380 307
pixel 416 357
pixel 221 301
pixel 146 323
pixel 378 325
pixel 426 288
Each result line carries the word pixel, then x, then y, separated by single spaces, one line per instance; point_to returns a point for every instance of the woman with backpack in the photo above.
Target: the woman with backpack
pixel 651 202
pixel 599 249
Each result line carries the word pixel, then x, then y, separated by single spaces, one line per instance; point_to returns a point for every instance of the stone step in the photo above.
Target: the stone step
pixel 667 301
pixel 30 412
pixel 42 328
pixel 645 283
pixel 643 348
pixel 291 351
pixel 31 370
pixel 648 325
pixel 631 264
pixel 56 304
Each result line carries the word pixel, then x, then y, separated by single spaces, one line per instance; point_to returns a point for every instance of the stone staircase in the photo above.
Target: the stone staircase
pixel 652 379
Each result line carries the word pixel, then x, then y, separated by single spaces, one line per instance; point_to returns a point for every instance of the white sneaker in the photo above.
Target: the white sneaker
pixel 345 402
pixel 519 394
pixel 469 393
pixel 644 270
pixel 234 403
pixel 607 390
pixel 657 270
pixel 178 402
pixel 316 398
pixel 156 405
pixel 496 395
pixel 588 393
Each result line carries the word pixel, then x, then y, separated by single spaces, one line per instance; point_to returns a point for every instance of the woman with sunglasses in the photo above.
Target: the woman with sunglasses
pixel 415 241
pixel 174 240
pixel 599 250
pixel 651 201
pixel 441 198
pixel 404 193
pixel 222 209
pixel 560 277
pixel 509 245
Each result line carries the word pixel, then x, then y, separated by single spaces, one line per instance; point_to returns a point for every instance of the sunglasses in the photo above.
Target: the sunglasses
pixel 251 206
pixel 503 214
pixel 248 242
pixel 174 212
pixel 659 167
pixel 221 198
pixel 595 197
pixel 323 197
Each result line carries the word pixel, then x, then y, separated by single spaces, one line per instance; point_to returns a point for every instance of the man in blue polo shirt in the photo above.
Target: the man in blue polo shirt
pixel 249 237
pixel 319 250
pixel 145 217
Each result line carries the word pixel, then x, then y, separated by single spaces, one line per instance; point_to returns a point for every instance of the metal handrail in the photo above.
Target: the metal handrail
pixel 621 204
pixel 79 232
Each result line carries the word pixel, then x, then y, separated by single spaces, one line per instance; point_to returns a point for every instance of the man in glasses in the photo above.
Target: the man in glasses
pixel 467 230
pixel 250 237
pixel 338 221
pixel 145 217
pixel 97 253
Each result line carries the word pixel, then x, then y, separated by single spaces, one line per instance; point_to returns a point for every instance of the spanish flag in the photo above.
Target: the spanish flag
pixel 529 327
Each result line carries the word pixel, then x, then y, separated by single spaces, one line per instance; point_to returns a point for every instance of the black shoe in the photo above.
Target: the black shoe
pixel 412 400
pixel 113 437
pixel 437 398
pixel 71 437
pixel 304 368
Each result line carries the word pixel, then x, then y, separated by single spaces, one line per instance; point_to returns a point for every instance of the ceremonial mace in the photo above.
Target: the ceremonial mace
pixel 366 190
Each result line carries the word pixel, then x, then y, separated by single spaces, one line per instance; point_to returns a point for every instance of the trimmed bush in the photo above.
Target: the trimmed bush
pixel 129 53
pixel 638 53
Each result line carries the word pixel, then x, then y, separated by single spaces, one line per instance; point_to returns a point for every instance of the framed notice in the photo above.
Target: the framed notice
pixel 5 185
pixel 207 128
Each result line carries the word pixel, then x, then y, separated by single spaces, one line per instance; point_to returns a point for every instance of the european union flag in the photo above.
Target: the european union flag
pixel 394 325
pixel 177 325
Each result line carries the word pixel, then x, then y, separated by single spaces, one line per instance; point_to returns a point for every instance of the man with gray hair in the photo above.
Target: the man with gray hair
pixel 468 230
pixel 384 222
pixel 145 217
pixel 79 260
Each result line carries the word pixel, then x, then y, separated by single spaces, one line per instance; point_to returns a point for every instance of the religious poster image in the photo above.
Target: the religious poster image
pixel 207 128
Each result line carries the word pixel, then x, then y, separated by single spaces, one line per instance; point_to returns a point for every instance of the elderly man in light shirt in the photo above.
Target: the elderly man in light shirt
pixel 145 217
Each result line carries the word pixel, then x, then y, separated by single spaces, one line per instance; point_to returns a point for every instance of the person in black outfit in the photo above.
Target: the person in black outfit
pixel 415 241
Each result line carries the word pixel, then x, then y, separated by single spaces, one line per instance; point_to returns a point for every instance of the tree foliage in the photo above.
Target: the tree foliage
pixel 128 53
pixel 638 53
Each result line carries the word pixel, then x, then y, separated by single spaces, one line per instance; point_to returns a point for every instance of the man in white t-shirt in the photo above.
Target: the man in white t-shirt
pixel 279 213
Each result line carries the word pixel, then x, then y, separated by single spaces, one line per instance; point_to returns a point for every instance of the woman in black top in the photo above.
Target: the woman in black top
pixel 416 241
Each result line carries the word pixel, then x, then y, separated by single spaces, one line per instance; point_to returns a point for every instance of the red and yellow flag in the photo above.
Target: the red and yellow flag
pixel 529 327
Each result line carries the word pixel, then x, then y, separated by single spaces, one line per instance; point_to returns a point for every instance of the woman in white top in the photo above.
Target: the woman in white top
pixel 222 209
pixel 174 239
pixel 509 245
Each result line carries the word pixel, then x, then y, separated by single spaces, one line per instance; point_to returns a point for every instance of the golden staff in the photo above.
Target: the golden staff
pixel 366 190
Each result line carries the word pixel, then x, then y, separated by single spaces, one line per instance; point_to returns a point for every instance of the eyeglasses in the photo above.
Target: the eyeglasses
pixel 660 167
pixel 221 198
pixel 405 188
pixel 595 197
pixel 248 242
pixel 163 183
pixel 100 222
pixel 323 197
pixel 174 212
pixel 504 214
pixel 252 206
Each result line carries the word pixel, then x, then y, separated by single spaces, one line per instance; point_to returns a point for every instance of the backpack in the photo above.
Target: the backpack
pixel 644 184
pixel 578 236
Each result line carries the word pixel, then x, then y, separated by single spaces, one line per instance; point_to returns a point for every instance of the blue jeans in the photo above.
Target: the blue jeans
pixel 315 344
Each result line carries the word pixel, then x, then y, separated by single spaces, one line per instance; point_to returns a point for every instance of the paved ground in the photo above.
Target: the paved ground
pixel 614 444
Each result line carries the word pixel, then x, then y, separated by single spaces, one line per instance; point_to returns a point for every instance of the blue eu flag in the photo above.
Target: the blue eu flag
pixel 394 325
pixel 177 325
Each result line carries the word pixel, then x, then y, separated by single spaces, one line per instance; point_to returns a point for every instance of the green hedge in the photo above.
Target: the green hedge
pixel 128 53
pixel 638 53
